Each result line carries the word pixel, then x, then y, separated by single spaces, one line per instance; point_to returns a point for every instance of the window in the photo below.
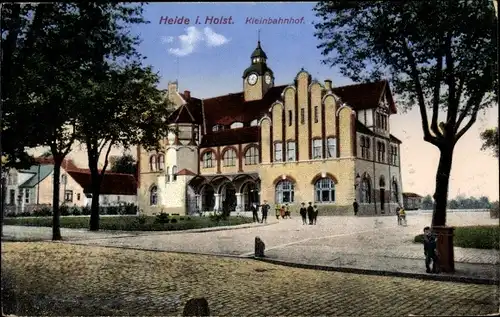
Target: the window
pixel 378 123
pixel 362 145
pixel 366 196
pixel 395 191
pixel 78 196
pixel 317 149
pixel 12 197
pixel 381 152
pixel 316 115
pixel 365 147
pixel 68 196
pixel 27 196
pixel 153 196
pixel 161 162
pixel 284 192
pixel 302 116
pixel 252 156
pixel 174 173
pixel 254 123
pixel 324 190
pixel 236 125
pixel 394 155
pixel 278 152
pixel 331 147
pixel 290 151
pixel 217 127
pixel 167 174
pixel 152 163
pixel 290 117
pixel 208 161
pixel 230 158
pixel 64 179
pixel 368 148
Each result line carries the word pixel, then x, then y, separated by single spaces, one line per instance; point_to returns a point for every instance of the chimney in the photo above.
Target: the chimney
pixel 187 94
pixel 172 87
pixel 328 84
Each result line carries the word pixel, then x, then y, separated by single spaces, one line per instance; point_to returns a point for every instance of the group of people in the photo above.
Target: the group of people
pixel 309 215
pixel 401 214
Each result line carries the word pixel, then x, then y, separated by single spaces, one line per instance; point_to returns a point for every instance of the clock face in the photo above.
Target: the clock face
pixel 268 78
pixel 252 79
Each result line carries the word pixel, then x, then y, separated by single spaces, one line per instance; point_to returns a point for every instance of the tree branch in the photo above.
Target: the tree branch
pixel 420 95
pixel 470 123
pixel 437 94
pixel 450 81
pixel 460 89
pixel 106 159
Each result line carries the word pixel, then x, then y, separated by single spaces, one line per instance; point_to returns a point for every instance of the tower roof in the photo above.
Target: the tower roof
pixel 259 52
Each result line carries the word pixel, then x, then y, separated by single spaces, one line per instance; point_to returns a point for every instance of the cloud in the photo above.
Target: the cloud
pixel 214 39
pixel 192 39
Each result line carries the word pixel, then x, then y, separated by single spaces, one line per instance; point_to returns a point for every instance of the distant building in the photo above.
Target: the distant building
pixel 32 188
pixel 412 201
pixel 305 141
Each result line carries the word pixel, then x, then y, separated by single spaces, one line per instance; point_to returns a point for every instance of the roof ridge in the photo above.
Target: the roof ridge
pixel 242 92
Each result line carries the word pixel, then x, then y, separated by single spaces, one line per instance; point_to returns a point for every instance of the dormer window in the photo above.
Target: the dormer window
pixel 235 125
pixel 217 127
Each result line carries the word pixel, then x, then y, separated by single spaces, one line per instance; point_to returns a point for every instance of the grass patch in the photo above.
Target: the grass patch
pixel 476 237
pixel 131 223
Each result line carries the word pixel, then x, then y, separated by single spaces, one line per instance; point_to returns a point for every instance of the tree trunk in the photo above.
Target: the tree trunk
pixel 56 225
pixel 2 207
pixel 442 185
pixel 96 192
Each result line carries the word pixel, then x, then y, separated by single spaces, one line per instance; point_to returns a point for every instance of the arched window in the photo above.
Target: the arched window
pixel 284 192
pixel 252 156
pixel 381 182
pixel 230 158
pixel 254 123
pixel 152 163
pixel 235 125
pixel 395 191
pixel 153 196
pixel 366 190
pixel 324 190
pixel 174 173
pixel 331 147
pixel 167 174
pixel 161 162
pixel 208 159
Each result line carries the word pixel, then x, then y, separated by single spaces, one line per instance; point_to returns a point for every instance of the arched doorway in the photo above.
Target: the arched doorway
pixel 250 193
pixel 207 198
pixel 228 196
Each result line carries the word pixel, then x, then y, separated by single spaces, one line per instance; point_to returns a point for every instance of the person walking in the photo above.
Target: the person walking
pixel 355 205
pixel 265 209
pixel 430 250
pixel 287 211
pixel 310 213
pixel 315 214
pixel 303 213
pixel 255 216
pixel 398 210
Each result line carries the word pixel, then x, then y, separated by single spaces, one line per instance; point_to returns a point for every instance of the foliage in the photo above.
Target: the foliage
pixel 437 54
pixel 490 140
pixel 125 164
pixel 130 223
pixel 427 203
pixel 162 218
pixel 477 237
pixel 123 209
pixel 495 210
pixel 460 202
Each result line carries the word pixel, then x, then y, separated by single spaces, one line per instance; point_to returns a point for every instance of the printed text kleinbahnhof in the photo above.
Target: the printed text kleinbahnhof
pixel 251 20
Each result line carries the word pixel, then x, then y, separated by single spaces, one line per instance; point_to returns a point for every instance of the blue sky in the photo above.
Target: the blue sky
pixel 223 65
pixel 214 59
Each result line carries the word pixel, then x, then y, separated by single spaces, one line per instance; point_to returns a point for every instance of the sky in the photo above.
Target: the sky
pixel 209 60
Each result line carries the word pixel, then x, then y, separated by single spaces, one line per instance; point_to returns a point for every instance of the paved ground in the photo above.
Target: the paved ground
pixel 63 279
pixel 359 242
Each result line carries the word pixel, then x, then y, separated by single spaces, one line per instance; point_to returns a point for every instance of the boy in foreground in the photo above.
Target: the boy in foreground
pixel 431 255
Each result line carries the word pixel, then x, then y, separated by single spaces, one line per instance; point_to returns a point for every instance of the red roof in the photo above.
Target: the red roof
pixel 231 136
pixel 112 183
pixel 366 95
pixel 191 112
pixel 225 110
pixel 67 164
pixel 185 171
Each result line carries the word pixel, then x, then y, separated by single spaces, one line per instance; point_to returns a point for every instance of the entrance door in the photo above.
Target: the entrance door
pixel 231 198
pixel 208 199
pixel 382 199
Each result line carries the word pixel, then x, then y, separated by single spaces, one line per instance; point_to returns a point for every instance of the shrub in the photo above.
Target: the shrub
pixel 181 218
pixel 173 220
pixel 64 210
pixel 112 210
pixel 495 210
pixel 476 237
pixel 75 211
pixel 162 218
pixel 142 219
pixel 86 211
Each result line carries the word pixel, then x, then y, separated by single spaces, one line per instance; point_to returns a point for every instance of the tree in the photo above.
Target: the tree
pixel 427 202
pixel 490 140
pixel 125 164
pixel 437 54
pixel 130 112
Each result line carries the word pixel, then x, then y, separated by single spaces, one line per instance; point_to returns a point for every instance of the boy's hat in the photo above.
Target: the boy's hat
pixel 427 228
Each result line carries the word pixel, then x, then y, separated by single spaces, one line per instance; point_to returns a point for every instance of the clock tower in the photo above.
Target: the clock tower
pixel 258 78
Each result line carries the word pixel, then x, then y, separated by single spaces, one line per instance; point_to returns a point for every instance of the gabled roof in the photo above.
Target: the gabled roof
pixel 231 108
pixel 366 95
pixel 412 195
pixel 112 183
pixel 231 136
pixel 191 112
pixel 45 171
pixel 185 171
